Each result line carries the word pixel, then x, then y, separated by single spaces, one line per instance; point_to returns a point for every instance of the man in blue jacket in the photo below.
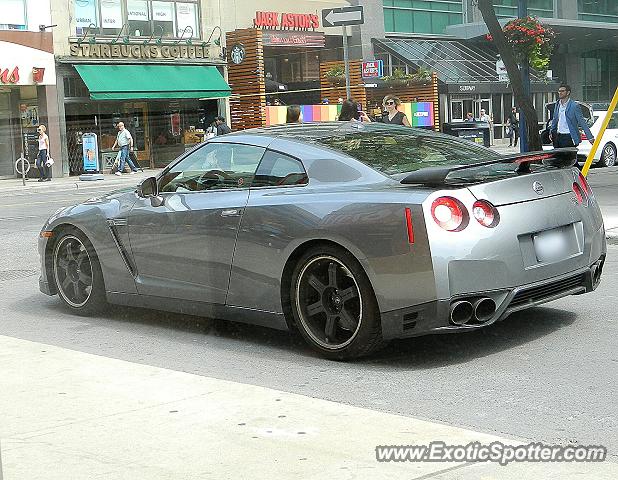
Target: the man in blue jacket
pixel 564 129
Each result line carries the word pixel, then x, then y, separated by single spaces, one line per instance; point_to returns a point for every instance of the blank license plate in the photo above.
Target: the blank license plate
pixel 551 245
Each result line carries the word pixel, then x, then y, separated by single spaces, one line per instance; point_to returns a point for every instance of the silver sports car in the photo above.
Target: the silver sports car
pixel 350 233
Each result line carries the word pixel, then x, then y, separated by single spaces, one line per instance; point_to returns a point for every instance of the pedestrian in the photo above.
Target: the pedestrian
pixel 567 119
pixel 484 117
pixel 469 117
pixel 292 114
pixel 392 115
pixel 512 125
pixel 222 127
pixel 43 156
pixel 350 111
pixel 124 141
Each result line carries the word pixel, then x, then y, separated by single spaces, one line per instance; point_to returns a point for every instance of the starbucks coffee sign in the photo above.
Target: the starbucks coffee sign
pixel 108 51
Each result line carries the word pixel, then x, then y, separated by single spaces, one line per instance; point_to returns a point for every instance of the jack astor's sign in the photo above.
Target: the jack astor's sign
pixel 286 21
pixel 96 50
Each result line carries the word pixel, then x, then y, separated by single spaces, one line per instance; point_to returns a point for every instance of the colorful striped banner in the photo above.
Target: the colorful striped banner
pixel 275 115
pixel 420 114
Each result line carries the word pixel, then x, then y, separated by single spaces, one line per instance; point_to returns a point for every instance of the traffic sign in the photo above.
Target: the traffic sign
pixel 339 17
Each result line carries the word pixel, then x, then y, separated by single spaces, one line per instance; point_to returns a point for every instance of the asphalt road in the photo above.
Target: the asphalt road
pixel 548 374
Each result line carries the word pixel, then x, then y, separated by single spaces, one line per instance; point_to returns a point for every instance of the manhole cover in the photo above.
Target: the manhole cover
pixel 8 275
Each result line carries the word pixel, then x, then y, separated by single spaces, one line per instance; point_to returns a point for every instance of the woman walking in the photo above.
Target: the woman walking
pixel 392 115
pixel 43 156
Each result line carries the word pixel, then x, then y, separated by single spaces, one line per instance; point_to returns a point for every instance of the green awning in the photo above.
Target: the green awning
pixel 134 82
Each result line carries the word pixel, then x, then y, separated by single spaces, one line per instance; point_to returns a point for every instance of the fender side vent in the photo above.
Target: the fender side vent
pixel 123 253
pixel 409 321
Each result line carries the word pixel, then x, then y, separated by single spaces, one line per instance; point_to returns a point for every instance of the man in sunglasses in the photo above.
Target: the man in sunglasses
pixel 567 119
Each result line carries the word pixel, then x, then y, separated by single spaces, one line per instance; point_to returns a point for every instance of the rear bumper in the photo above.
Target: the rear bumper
pixel 434 317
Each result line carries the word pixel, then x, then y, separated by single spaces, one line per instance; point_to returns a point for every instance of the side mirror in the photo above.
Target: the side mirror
pixel 148 188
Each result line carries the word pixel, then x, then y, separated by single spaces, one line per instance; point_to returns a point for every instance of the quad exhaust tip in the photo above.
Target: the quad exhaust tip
pixel 461 312
pixel 464 311
pixel 484 309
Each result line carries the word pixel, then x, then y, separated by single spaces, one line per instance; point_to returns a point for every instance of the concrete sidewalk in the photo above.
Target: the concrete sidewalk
pixel 14 185
pixel 71 415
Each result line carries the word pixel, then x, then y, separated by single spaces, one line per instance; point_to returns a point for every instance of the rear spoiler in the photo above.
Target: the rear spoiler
pixel 558 157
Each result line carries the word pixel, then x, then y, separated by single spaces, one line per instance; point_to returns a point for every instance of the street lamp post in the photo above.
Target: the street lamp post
pixel 522 12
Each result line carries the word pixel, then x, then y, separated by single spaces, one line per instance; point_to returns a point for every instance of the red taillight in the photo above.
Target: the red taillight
pixel 485 213
pixel 579 193
pixel 409 226
pixel 584 184
pixel 448 213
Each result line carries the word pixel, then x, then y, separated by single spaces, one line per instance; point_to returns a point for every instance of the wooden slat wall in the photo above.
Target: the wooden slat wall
pixel 422 93
pixel 357 89
pixel 248 101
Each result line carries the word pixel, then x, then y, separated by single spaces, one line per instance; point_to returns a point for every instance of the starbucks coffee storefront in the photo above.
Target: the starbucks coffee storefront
pixel 165 94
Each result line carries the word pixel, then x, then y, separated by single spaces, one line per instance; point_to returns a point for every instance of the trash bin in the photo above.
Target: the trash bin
pixel 477 132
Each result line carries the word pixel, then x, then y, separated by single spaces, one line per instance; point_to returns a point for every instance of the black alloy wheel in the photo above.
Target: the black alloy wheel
pixel 77 273
pixel 334 305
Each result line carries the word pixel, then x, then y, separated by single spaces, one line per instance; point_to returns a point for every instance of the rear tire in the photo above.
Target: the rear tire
pixel 77 273
pixel 333 304
pixel 608 156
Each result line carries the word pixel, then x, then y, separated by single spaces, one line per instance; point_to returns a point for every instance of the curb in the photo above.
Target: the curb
pixel 75 185
pixel 64 187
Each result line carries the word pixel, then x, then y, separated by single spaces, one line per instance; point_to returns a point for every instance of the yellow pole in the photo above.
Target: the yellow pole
pixel 597 140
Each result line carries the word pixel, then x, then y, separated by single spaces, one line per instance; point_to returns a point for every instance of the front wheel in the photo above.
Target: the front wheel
pixel 77 273
pixel 334 305
pixel 608 156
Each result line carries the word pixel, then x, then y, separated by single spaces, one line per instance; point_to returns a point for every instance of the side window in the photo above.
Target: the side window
pixel 613 123
pixel 278 170
pixel 215 166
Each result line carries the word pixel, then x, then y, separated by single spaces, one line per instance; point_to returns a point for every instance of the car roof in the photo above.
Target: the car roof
pixel 314 131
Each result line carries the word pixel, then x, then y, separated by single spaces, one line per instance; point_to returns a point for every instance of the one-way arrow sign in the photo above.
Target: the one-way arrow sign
pixel 338 17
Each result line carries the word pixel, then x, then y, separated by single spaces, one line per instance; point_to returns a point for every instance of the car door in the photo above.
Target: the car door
pixel 183 248
pixel 268 225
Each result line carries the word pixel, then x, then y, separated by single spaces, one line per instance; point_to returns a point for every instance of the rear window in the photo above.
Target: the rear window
pixel 399 152
pixel 402 151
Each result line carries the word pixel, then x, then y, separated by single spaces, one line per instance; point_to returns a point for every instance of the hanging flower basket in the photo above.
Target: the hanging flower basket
pixel 531 41
pixel 335 76
pixel 336 81
pixel 401 79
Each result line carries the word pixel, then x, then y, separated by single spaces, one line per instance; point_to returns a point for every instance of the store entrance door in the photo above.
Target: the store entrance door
pixel 7 155
pixel 482 104
pixel 137 115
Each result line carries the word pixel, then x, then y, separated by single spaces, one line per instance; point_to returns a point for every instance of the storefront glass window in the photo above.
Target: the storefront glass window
pixel 421 16
pixel 163 15
pixel 161 18
pixel 600 69
pixel 13 15
pixel 538 8
pixel 598 10
pixel 186 16
pixel 111 17
pixel 138 15
pixel 85 15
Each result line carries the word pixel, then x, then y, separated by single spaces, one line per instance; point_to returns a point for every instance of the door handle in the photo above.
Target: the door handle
pixel 231 212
